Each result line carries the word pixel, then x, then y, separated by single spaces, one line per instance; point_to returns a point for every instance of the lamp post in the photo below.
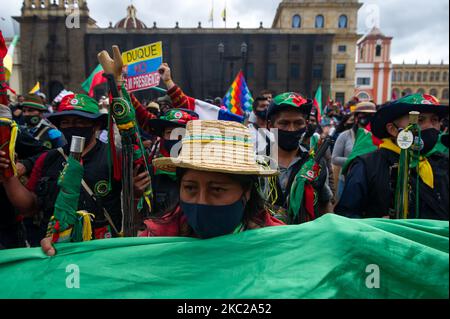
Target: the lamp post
pixel 232 59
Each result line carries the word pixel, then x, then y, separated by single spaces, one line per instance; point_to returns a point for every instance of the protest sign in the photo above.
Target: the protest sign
pixel 143 64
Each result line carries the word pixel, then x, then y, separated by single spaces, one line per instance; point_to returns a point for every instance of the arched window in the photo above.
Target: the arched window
pixel 363 96
pixel 343 22
pixel 320 22
pixel 437 76
pixel 419 76
pixel 421 91
pixel 296 22
pixel 434 92
pixel 406 78
pixel 445 94
pixel 378 50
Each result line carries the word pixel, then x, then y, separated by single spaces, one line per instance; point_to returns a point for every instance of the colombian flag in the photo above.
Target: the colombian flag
pixel 238 99
pixel 36 89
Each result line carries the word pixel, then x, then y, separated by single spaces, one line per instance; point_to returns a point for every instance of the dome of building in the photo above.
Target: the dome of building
pixel 131 21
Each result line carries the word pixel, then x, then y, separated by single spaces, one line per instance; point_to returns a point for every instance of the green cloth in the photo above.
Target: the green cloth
pixel 363 145
pixel 439 147
pixel 327 258
pixel 298 188
pixel 66 205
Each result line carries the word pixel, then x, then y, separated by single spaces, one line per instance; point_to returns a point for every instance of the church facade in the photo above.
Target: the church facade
pixel 310 43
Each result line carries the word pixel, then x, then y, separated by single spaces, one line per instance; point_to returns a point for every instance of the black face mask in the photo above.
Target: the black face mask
pixel 261 114
pixel 31 120
pixel 430 138
pixel 69 132
pixel 289 141
pixel 311 129
pixel 364 121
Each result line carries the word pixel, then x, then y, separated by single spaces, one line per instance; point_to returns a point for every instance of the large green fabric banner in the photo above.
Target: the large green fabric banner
pixel 333 257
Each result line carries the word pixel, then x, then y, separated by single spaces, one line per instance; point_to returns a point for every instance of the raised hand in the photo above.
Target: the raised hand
pixel 112 65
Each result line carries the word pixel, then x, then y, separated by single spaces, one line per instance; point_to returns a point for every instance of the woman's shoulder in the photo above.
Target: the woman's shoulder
pixel 173 224
pixel 265 219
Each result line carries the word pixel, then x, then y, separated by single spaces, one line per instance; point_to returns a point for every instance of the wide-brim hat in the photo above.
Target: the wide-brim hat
pixel 172 118
pixel 391 111
pixel 79 105
pixel 34 102
pixel 290 100
pixel 217 146
pixel 364 107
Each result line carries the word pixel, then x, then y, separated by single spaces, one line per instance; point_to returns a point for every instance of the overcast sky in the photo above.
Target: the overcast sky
pixel 420 27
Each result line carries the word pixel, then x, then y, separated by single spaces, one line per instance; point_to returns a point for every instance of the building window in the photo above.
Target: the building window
pixel 434 92
pixel 317 71
pixel 445 94
pixel 319 48
pixel 296 22
pixel 343 21
pixel 295 71
pixel 437 76
pixel 399 76
pixel 411 76
pixel 419 76
pixel 445 76
pixel 363 96
pixel 421 91
pixel 425 76
pixel 394 74
pixel 406 78
pixel 340 97
pixel 250 71
pixel 340 71
pixel 342 48
pixel 295 48
pixel 378 50
pixel 363 81
pixel 432 77
pixel 272 71
pixel 361 56
pixel 320 22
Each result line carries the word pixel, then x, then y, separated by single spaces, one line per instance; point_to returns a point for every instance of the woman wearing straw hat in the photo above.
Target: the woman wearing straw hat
pixel 218 177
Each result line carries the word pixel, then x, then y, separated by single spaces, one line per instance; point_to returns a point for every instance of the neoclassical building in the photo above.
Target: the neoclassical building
pixel 310 43
pixel 421 78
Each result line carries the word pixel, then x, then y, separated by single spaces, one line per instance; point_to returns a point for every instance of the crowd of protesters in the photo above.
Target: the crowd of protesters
pixel 321 166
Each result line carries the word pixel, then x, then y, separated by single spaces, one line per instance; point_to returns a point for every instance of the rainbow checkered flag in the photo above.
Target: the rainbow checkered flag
pixel 238 99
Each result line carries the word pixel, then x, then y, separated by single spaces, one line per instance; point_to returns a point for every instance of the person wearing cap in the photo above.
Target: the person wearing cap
pixel 218 179
pixel 78 116
pixel 38 126
pixel 363 113
pixel 289 114
pixel 170 129
pixel 165 103
pixel 371 183
pixel 153 107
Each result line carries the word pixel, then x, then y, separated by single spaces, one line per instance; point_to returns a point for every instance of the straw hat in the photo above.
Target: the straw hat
pixel 364 107
pixel 217 146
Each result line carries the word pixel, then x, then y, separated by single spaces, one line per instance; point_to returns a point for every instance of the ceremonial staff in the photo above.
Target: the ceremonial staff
pixel 410 142
pixel 133 151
